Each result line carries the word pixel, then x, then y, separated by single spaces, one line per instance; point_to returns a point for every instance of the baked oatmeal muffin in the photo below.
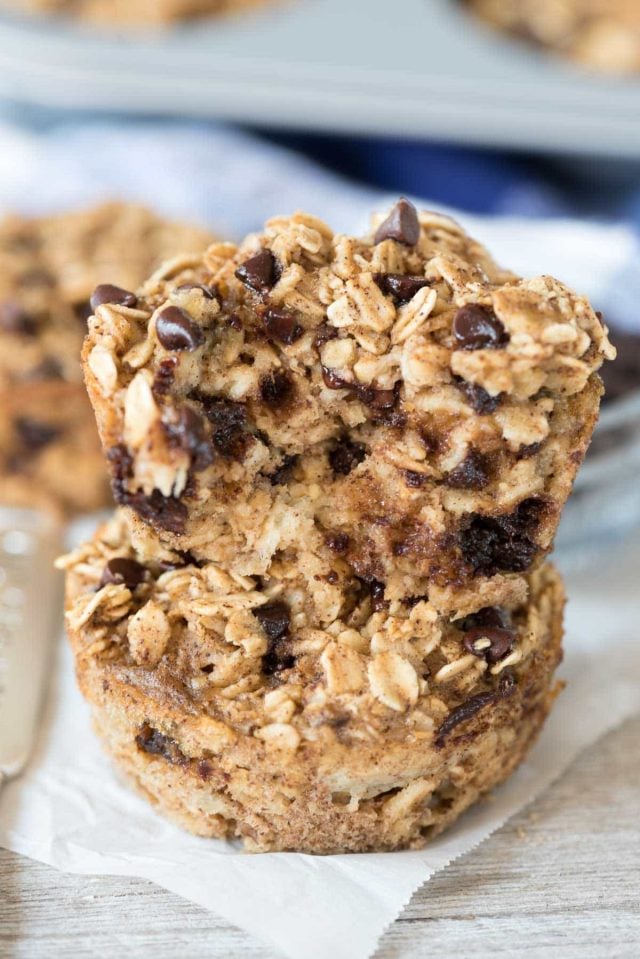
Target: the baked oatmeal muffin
pixel 322 720
pixel 602 34
pixel 135 12
pixel 49 267
pixel 394 406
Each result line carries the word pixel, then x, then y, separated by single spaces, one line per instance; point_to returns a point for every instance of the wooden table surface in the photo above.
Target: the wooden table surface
pixel 561 879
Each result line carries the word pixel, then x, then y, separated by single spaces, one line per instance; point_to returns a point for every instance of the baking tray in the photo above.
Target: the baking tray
pixel 416 68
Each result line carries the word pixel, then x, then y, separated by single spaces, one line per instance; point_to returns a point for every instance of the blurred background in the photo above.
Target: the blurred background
pixel 522 117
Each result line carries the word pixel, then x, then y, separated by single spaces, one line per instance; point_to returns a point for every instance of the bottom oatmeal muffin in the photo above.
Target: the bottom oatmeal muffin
pixel 239 713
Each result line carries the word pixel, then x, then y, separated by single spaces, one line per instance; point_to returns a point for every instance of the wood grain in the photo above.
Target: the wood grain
pixel 561 879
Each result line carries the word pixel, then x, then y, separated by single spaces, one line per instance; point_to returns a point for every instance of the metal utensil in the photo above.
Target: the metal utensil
pixel 29 622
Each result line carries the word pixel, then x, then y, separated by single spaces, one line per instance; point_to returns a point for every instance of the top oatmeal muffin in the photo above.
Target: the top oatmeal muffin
pixel 393 406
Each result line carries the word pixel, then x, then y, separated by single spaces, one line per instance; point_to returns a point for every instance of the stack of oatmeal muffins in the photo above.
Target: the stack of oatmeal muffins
pixel 321 617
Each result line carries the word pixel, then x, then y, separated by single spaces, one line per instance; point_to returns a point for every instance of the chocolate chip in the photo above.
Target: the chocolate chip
pixel 489 617
pixel 482 402
pixel 229 421
pixel 323 334
pixel 401 288
pixel 477 327
pixel 282 325
pixel 491 544
pixel 162 512
pixel 207 291
pixel 463 713
pixel 190 434
pixel 152 741
pixel 491 644
pixel 282 474
pixel 176 330
pixel 122 571
pixel 115 295
pixel 378 601
pixel 377 399
pixel 34 434
pixel 472 473
pixel 259 272
pixel 401 225
pixel 165 375
pixel 234 321
pixel 526 452
pixel 337 542
pixel 346 456
pixel 275 621
pixel 14 319
pixel 276 388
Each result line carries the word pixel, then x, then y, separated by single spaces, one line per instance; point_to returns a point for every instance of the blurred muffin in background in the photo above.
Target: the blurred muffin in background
pixel 134 12
pixel 601 34
pixel 49 267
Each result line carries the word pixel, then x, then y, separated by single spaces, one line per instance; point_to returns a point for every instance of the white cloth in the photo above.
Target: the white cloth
pixel 70 809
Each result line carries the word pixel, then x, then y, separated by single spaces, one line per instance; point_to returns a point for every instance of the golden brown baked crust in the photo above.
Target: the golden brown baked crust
pixel 394 406
pixel 601 34
pixel 239 714
pixel 49 267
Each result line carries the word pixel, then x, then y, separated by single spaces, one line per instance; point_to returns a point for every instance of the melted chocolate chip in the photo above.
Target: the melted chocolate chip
pixel 35 435
pixel 190 434
pixel 500 642
pixel 115 295
pixel 123 571
pixel 229 421
pixel 337 542
pixel 401 225
pixel 283 473
pixel 13 319
pixel 482 402
pixel 282 325
pixel 259 272
pixel 346 456
pixel 324 333
pixel 401 288
pixel 165 375
pixel 477 327
pixel 378 601
pixel 472 473
pixel 207 291
pixel 162 512
pixel 377 400
pixel 275 621
pixel 276 388
pixel 176 330
pixel 234 321
pixel 463 713
pixel 152 741
pixel 503 543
